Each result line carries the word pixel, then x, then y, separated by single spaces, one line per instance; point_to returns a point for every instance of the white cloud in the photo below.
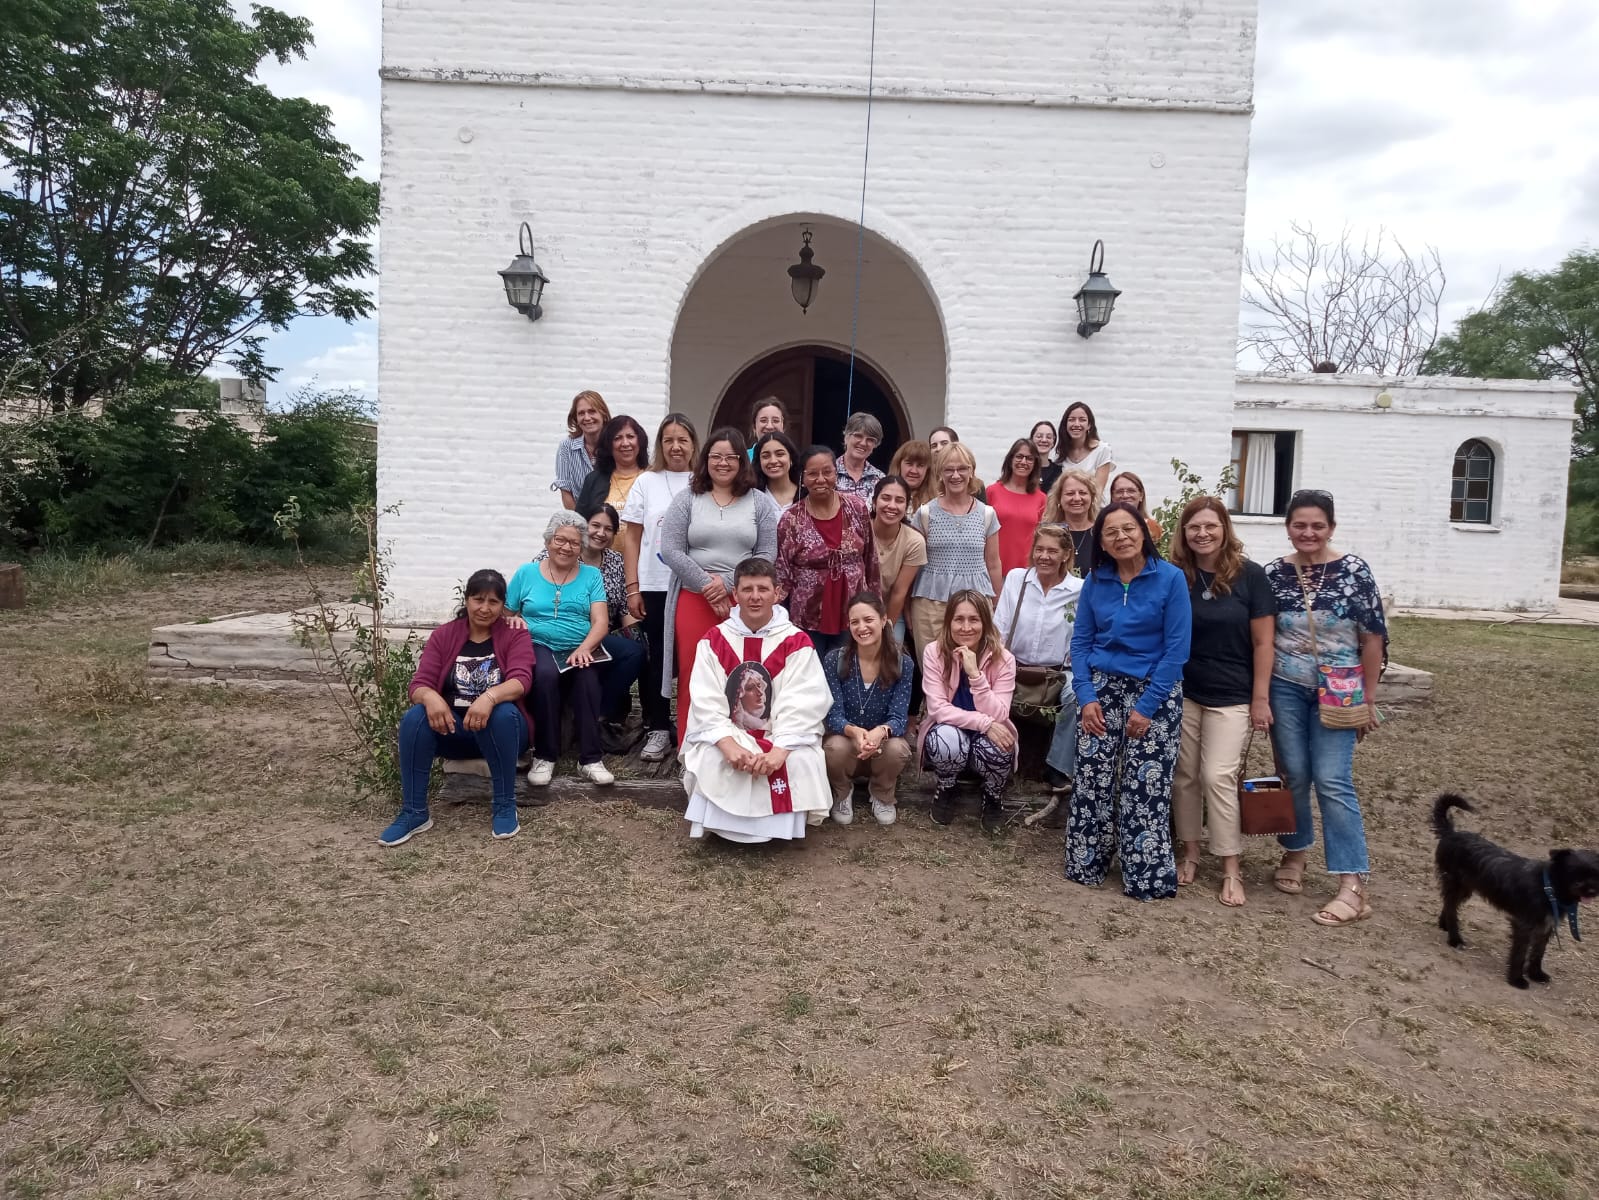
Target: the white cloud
pixel 350 365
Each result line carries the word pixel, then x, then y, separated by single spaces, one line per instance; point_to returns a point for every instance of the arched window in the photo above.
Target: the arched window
pixel 1471 493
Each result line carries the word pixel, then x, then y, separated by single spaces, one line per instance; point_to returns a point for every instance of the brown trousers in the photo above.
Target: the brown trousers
pixel 882 772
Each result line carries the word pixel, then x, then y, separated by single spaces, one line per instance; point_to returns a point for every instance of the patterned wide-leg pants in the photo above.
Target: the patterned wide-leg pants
pixel 1125 810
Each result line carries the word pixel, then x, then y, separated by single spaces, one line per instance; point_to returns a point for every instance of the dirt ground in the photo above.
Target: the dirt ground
pixel 214 982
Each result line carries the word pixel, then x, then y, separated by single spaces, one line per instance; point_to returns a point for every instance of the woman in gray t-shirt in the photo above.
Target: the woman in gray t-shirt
pixel 709 529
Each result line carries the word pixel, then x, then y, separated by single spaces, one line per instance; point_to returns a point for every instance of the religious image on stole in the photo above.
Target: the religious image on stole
pixel 749 696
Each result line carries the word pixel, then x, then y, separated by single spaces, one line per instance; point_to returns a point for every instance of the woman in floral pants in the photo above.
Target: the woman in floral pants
pixel 1128 650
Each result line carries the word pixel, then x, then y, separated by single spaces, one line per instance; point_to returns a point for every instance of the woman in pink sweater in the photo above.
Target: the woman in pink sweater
pixel 968 677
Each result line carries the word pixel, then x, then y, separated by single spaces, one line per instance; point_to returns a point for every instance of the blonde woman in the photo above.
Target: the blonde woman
pixel 969 678
pixel 1074 503
pixel 1226 685
pixel 962 535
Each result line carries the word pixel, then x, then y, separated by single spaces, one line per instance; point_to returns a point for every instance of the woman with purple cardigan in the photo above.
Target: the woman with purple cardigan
pixel 467 703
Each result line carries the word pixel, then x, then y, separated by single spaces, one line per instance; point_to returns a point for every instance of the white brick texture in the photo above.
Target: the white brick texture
pixel 647 205
pixel 1389 471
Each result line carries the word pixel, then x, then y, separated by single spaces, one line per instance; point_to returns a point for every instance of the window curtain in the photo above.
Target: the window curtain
pixel 1260 473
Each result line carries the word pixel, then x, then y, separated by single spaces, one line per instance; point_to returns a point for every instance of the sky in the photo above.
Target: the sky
pixel 1469 125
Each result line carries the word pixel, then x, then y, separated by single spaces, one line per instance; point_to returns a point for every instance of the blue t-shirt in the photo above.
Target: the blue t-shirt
pixel 557 617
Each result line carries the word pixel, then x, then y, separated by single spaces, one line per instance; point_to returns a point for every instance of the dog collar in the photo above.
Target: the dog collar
pixel 1567 911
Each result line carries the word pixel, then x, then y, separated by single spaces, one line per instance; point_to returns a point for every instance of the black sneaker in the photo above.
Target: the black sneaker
pixel 943 807
pixel 993 818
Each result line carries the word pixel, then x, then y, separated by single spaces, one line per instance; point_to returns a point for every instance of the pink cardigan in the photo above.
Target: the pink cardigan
pixel 513 648
pixel 996 684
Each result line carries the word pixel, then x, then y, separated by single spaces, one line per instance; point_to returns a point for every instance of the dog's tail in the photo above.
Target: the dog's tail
pixel 1441 824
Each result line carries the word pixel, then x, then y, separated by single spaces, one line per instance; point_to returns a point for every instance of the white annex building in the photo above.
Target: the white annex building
pixel 667 156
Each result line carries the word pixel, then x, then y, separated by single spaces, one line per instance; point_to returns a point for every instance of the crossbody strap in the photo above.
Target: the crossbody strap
pixel 1016 613
pixel 1310 610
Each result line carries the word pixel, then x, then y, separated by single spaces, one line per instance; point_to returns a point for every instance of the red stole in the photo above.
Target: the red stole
pixel 774 664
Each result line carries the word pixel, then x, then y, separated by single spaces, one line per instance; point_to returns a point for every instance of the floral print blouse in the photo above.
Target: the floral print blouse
pixel 806 563
pixel 1344 601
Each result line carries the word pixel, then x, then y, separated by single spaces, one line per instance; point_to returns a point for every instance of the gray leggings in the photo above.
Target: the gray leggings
pixel 950 749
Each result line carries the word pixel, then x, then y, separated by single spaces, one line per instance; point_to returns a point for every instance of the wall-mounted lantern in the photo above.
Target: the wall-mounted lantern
pixel 805 276
pixel 1096 298
pixel 524 279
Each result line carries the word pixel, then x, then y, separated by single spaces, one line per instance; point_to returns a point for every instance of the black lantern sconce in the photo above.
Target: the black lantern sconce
pixel 1096 298
pixel 524 279
pixel 804 277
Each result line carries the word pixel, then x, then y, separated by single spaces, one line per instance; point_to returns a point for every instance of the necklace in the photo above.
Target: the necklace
pixel 561 584
pixel 721 509
pixel 1207 594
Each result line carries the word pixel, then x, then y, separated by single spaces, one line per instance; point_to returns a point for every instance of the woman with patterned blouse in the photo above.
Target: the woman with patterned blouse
pixel 871 681
pixel 1329 613
pixel 825 553
pixel 962 536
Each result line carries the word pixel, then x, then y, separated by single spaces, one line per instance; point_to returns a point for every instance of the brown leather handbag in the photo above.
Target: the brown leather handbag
pixel 1265 803
pixel 1037 687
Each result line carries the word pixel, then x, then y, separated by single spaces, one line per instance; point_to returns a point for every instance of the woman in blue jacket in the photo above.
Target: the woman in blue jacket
pixel 1128 649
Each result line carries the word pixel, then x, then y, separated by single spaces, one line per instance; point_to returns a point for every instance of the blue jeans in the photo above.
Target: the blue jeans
pixel 1062 754
pixel 1311 755
pixel 617 676
pixel 499 743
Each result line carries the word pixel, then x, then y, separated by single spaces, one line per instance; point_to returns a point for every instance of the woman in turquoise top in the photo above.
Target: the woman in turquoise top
pixel 562 600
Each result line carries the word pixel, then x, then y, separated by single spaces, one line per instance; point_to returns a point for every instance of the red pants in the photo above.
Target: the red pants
pixel 693 619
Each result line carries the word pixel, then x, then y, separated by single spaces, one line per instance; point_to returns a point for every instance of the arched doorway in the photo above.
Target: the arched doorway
pixel 813 382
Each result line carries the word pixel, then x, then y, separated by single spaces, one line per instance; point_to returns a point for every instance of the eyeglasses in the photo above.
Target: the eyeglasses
pixel 565 543
pixel 1122 535
pixel 721 459
pixel 867 438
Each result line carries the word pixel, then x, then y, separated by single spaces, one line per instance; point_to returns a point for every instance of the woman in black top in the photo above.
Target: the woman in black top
pixel 1226 685
pixel 622 453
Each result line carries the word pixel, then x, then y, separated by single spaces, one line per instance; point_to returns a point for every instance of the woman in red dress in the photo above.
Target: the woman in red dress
pixel 1019 502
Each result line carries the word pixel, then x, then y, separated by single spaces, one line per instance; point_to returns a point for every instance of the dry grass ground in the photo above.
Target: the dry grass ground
pixel 213 981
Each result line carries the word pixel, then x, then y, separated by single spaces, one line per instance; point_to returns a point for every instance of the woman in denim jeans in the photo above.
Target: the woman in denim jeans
pixel 1340 594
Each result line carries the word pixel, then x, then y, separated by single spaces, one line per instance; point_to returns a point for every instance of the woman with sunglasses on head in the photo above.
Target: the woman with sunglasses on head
pixel 1074 503
pixel 1226 686
pixel 624 449
pixel 574 458
pixel 721 520
pixel 648 579
pixel 1128 649
pixel 1330 631
pixel 825 553
pixel 1127 488
pixel 777 471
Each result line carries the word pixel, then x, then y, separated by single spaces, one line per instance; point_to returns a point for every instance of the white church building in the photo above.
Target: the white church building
pixel 668 157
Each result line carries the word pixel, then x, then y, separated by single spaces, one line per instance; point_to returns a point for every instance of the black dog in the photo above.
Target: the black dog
pixel 1534 895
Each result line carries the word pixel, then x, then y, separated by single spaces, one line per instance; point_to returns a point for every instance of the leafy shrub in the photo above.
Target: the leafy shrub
pixel 1191 485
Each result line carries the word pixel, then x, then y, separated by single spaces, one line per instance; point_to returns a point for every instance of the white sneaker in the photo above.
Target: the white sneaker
pixel 844 810
pixel 657 746
pixel 815 817
pixel 886 814
pixel 596 773
pixel 541 772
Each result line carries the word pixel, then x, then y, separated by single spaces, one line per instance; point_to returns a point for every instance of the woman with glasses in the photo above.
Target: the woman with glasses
pixel 563 601
pixel 1127 488
pixel 1330 625
pixel 825 553
pixel 1128 649
pixel 721 520
pixel 962 535
pixel 1019 503
pixel 856 476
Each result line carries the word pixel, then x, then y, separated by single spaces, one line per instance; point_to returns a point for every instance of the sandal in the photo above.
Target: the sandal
pixel 1222 894
pixel 1339 911
pixel 1192 864
pixel 1290 877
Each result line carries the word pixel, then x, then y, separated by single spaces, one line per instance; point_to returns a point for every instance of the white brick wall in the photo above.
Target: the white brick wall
pixel 1389 473
pixel 631 190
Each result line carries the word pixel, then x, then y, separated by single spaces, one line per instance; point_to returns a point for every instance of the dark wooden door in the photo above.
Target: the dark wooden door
pixel 813 384
pixel 790 375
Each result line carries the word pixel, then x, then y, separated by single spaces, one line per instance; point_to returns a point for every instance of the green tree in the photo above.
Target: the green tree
pixel 156 202
pixel 1537 325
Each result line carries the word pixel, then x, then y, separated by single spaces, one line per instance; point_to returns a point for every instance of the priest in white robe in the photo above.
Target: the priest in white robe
pixel 752 756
